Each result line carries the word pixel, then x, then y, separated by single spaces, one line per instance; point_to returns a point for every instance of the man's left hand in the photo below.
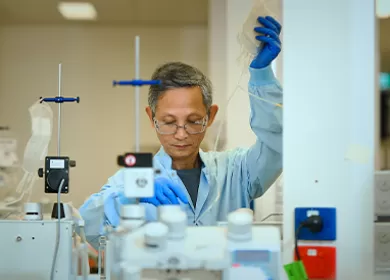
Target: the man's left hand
pixel 270 31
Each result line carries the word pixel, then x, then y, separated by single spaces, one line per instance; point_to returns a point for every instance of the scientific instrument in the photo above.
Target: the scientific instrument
pixel 169 249
pixel 33 235
pixel 139 172
pixel 8 160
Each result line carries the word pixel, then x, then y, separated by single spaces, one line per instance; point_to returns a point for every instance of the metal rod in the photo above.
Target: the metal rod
pixel 59 110
pixel 137 93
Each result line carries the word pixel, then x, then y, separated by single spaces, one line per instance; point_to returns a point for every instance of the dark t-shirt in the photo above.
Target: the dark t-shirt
pixel 191 180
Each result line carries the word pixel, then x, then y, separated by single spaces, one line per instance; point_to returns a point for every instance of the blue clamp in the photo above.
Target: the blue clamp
pixel 136 83
pixel 60 99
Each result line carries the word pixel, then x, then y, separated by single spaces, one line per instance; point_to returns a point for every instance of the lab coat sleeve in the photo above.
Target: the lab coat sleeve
pixel 261 164
pixel 103 208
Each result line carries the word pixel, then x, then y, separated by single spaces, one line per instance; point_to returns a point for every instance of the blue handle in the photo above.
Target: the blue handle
pixel 136 83
pixel 60 99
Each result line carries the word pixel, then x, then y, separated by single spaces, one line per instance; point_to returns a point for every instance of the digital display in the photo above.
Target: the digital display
pixel 252 256
pixel 57 163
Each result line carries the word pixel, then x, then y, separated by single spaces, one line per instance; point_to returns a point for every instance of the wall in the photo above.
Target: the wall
pixel 95 131
pixel 330 137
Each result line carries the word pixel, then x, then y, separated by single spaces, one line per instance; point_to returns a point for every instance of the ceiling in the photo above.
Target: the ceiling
pixel 145 12
pixel 109 11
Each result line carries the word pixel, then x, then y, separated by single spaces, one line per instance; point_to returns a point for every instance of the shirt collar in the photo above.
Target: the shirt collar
pixel 163 159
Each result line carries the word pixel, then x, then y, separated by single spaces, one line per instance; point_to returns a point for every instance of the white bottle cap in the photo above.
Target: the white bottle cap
pixel 240 225
pixel 132 212
pixel 176 222
pixel 32 211
pixel 130 273
pixel 168 208
pixel 156 234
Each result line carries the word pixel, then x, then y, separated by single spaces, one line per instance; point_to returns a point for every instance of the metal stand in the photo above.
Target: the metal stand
pixel 60 99
pixel 137 83
pixel 57 168
pixel 139 171
pixel 143 185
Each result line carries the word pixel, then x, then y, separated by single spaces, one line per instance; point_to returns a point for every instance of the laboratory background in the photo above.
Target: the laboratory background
pixel 36 37
pixel 87 47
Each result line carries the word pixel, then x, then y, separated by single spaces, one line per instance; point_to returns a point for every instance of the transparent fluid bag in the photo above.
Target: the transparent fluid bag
pixel 247 36
pixel 34 155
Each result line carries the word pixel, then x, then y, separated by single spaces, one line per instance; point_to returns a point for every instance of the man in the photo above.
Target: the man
pixel 207 185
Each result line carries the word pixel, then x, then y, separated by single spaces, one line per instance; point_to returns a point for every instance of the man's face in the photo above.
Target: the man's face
pixel 181 106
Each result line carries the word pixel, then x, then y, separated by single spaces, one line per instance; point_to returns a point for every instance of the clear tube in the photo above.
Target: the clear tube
pixel 75 262
pixel 226 111
pixel 83 253
pixel 102 250
pixel 58 233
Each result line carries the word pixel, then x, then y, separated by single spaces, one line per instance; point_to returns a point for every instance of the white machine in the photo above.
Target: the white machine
pixel 169 249
pixel 28 247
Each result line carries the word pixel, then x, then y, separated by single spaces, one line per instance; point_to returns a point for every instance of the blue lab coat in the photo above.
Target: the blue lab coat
pixel 229 180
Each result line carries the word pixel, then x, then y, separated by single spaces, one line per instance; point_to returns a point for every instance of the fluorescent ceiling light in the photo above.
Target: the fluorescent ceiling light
pixel 77 10
pixel 383 8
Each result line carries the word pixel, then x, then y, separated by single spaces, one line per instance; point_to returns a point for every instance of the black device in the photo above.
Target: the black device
pixel 56 169
pixel 129 160
pixel 385 114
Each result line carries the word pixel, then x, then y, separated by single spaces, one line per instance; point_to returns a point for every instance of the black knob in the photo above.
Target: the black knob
pixel 120 161
pixel 40 172
pixel 72 163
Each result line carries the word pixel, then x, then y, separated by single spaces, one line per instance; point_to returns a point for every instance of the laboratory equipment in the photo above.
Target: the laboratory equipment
pixel 8 147
pixel 169 249
pixel 57 168
pixel 8 163
pixel 33 235
pixel 381 221
pixel 138 169
pixel 15 192
pixel 139 172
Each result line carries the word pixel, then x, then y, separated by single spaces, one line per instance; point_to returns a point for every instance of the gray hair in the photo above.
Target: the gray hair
pixel 179 75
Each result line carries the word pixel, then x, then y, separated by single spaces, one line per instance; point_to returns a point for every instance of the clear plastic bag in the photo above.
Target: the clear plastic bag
pixel 247 36
pixel 42 126
pixel 35 152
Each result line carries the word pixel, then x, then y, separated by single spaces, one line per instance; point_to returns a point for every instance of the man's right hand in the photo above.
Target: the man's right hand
pixel 166 192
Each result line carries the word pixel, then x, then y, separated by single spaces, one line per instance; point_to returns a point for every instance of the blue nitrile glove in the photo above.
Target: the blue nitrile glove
pixel 166 192
pixel 112 205
pixel 272 45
